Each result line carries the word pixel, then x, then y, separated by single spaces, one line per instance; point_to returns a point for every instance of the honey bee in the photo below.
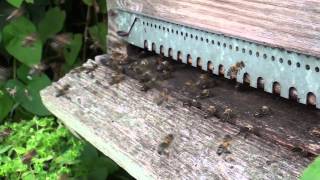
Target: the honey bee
pixel 223 148
pixel 163 97
pixel 26 159
pixel 15 14
pixel 234 69
pixel 245 130
pixel 29 40
pixel 315 131
pixel 227 115
pixel 148 85
pixel 165 144
pixel 192 102
pixel 210 112
pixel 205 82
pixel 12 91
pixel 262 112
pixel 116 78
pixel 62 90
pixel 205 93
pixel 62 39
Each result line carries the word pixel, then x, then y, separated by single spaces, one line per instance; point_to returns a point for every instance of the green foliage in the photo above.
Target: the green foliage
pixel 41 40
pixel 313 171
pixel 57 153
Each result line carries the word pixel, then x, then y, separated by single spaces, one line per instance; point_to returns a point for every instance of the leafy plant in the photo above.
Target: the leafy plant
pixel 42 40
pixel 45 149
pixel 313 171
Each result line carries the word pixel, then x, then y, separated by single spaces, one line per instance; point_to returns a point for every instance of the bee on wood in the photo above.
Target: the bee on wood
pixel 163 97
pixel 29 40
pixel 262 112
pixel 5 133
pixel 165 144
pixel 192 102
pixel 205 93
pixel 315 131
pixel 62 90
pixel 234 69
pixel 210 112
pixel 148 85
pixel 116 78
pixel 227 115
pixel 15 14
pixel 205 82
pixel 223 148
pixel 26 159
pixel 146 76
pixel 245 131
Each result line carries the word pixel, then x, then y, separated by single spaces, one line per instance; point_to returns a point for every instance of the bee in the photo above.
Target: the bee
pixel 234 69
pixel 62 90
pixel 164 66
pixel 227 115
pixel 29 40
pixel 148 85
pixel 192 102
pixel 62 39
pixel 223 148
pixel 163 97
pixel 26 159
pixel 315 131
pixel 145 77
pixel 5 133
pixel 116 78
pixel 12 91
pixel 245 130
pixel 262 112
pixel 165 144
pixel 205 93
pixel 204 82
pixel 37 70
pixel 15 14
pixel 210 111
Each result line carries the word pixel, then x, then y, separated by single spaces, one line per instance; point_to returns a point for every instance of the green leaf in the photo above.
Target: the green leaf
pixel 14 35
pixel 72 50
pixel 5 148
pixel 6 104
pixel 52 23
pixel 22 73
pixel 15 3
pixel 88 2
pixel 312 172
pixel 98 34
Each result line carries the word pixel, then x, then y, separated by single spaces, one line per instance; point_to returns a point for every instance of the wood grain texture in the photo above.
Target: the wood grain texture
pixel 293 25
pixel 126 125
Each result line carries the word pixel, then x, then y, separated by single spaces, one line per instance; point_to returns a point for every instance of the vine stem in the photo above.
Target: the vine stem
pixel 86 34
pixel 14 68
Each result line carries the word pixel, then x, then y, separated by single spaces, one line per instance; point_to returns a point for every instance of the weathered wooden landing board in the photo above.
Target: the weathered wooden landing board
pixel 293 25
pixel 126 125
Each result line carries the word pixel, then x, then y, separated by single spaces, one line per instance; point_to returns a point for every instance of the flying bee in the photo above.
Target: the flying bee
pixel 223 148
pixel 205 93
pixel 262 112
pixel 210 111
pixel 15 14
pixel 116 78
pixel 163 97
pixel 165 144
pixel 29 40
pixel 62 90
pixel 26 159
pixel 234 69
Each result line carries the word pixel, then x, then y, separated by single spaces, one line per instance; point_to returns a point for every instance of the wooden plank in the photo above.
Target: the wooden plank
pixel 293 25
pixel 127 125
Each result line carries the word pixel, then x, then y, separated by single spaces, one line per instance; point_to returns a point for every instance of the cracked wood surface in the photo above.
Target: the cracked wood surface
pixel 292 25
pixel 126 125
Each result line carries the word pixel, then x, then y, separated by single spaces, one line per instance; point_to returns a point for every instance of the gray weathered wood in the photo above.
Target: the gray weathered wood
pixel 293 25
pixel 126 125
